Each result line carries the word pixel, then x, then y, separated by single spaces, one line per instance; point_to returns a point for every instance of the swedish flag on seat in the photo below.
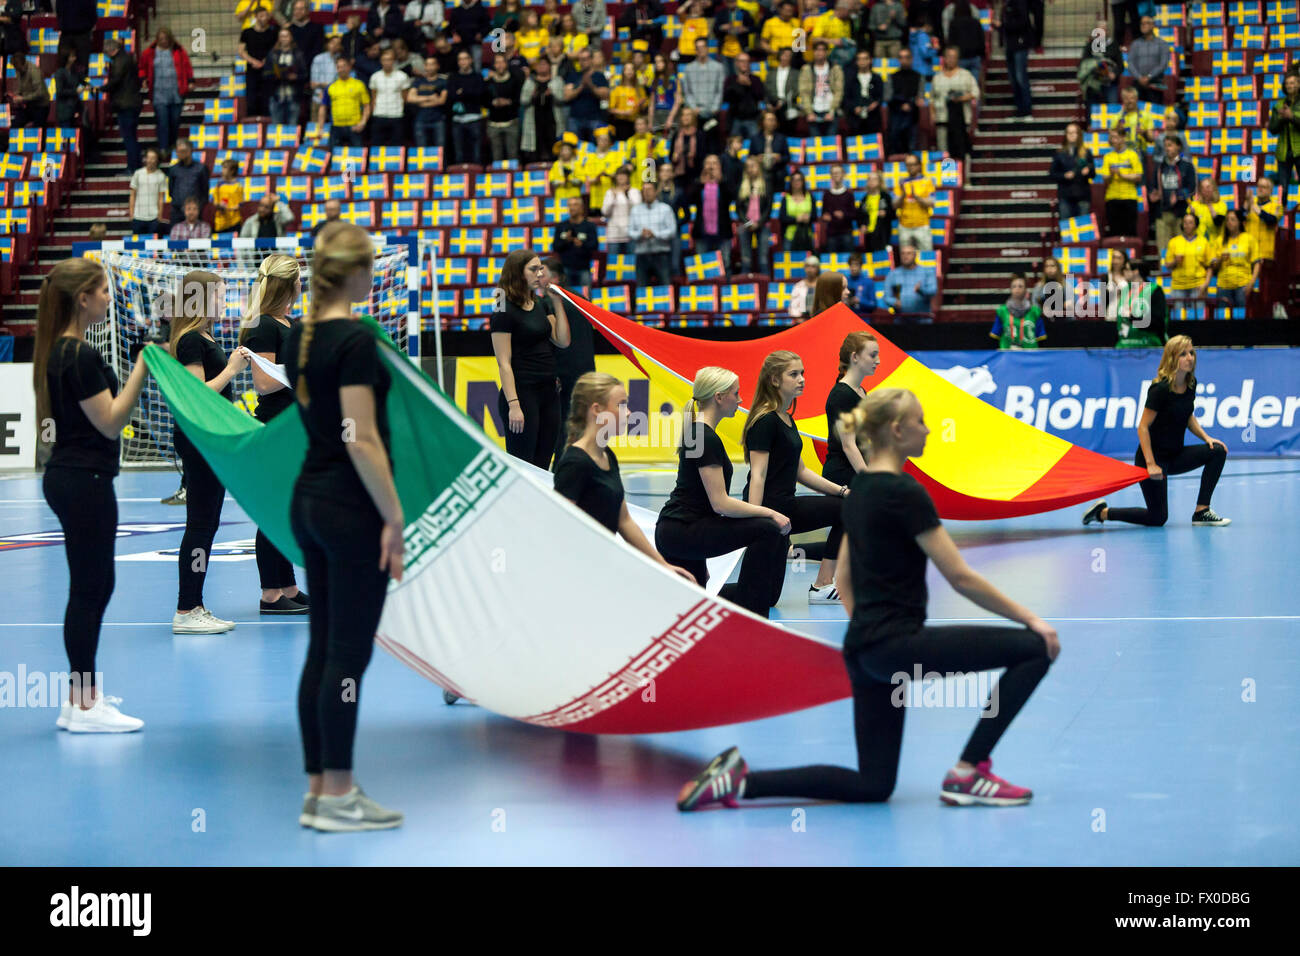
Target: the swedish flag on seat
pixel 478 212
pixel 387 159
pixel 455 271
pixel 704 266
pixel 697 298
pixel 613 298
pixel 740 297
pixel 425 159
pixel 478 301
pixel 410 185
pixel 219 111
pixel 441 212
pixel 510 238
pixel 1079 229
pixel 401 214
pixel 654 298
pixel 620 268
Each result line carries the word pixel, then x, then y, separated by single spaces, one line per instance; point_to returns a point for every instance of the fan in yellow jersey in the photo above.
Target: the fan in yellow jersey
pixel 1262 215
pixel 565 176
pixel 1190 257
pixel 1238 262
pixel 643 151
pixel 779 31
pixel 695 26
pixel 1121 170
pixel 627 101
pixel 597 166
pixel 1209 209
pixel 532 36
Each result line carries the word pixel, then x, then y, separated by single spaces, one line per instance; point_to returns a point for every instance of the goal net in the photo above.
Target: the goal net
pixel 142 275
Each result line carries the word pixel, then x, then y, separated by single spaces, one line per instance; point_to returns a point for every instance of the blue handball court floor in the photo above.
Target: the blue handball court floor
pixel 1167 733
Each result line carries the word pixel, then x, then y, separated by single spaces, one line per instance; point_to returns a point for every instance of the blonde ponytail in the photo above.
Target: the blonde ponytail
pixel 868 423
pixel 709 381
pixel 591 388
pixel 272 291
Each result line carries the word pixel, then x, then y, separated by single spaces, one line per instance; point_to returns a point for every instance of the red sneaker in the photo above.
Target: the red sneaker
pixel 983 788
pixel 719 782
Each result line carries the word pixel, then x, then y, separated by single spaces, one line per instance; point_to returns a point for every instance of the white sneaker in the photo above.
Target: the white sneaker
pixel 227 625
pixel 102 718
pixel 198 621
pixel 829 594
pixel 65 711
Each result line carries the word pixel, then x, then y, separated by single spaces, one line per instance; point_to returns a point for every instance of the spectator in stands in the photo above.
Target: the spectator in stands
pixel 572 40
pixel 13 38
pixel 733 164
pixel 1124 12
pixel 123 88
pixel 778 34
pixel 1148 61
pixel 323 73
pixel 1172 186
pixel 688 147
pixel 617 205
pixel 801 296
pixel 422 18
pixel 349 106
pixel 544 112
pixel 1262 215
pixel 68 81
pixel 914 206
pixel 675 197
pixel 836 28
pixel 924 47
pixel 735 30
pixel 1018 39
pixel 888 22
pixel 388 92
pixel 821 91
pixel 861 288
pixel 333 213
pixel 467 95
pixel 575 244
pixel 910 288
pixel 599 165
pixel 753 210
pixel 653 227
pixel 1237 262
pixel 366 64
pixel 98 232
pixel 691 15
pixel 904 94
pixel 1072 171
pixel 230 196
pixel 255 44
pixel 550 20
pixel 187 179
pixel 286 73
pixel 643 151
pixel 1139 127
pixel 191 226
pixel 700 87
pixel 953 86
pixel 506 18
pixel 1210 211
pixel 446 55
pixel 839 213
pixel 783 90
pixel 639 19
pixel 1190 257
pixel 627 101
pixel 663 95
pixel 863 95
pixel 354 38
pixel 246 11
pixel 875 215
pixel 712 199
pixel 1019 323
pixel 590 17
pixel 470 25
pixel 1284 123
pixel 1143 324
pixel 565 176
pixel 772 150
pixel 1099 67
pixel 966 33
pixel 428 95
pixel 308 36
pixel 148 188
pixel 404 59
pixel 32 100
pixel 1121 170
pixel 744 94
pixel 798 212
pixel 271 219
pixel 584 88
pixel 1047 292
pixel 532 36
pixel 384 22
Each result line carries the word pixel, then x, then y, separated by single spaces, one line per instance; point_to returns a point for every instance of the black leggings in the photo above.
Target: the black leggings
pixel 874 673
pixel 86 506
pixel 1156 491
pixel 808 513
pixel 688 544
pixel 540 403
pixel 273 568
pixel 340 549
pixel 204 497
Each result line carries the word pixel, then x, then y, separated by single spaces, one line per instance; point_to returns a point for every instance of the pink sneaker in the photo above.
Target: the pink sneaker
pixel 719 782
pixel 983 788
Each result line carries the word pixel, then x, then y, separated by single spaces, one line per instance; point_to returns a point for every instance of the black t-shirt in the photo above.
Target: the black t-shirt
pixel 259 43
pixel 532 356
pixel 76 371
pixel 842 399
pixel 1172 414
pixel 701 448
pixel 194 348
pixel 883 514
pixel 270 335
pixel 590 487
pixel 784 446
pixel 342 353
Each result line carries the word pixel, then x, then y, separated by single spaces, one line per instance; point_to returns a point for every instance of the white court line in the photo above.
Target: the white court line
pixel 41 501
pixel 167 624
pixel 1071 620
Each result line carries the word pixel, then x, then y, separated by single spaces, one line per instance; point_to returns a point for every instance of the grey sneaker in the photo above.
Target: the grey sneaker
pixel 1208 519
pixel 353 811
pixel 308 810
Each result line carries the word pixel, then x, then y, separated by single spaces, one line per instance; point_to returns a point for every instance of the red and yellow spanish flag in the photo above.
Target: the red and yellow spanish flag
pixel 979 463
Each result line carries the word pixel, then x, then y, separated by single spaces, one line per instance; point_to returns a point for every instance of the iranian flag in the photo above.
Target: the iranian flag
pixel 514 598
